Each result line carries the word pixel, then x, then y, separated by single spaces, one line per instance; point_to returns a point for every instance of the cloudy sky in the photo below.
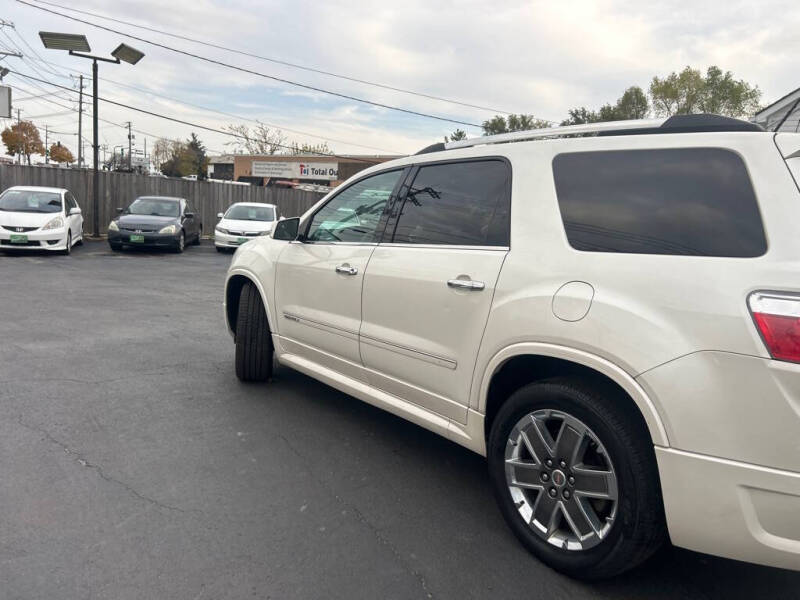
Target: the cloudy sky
pixel 540 58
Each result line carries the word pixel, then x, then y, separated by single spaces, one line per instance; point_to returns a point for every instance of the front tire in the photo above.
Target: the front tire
pixel 253 339
pixel 181 243
pixel 68 249
pixel 576 478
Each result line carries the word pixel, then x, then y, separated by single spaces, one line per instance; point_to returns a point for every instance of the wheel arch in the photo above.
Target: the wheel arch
pixel 233 289
pixel 525 363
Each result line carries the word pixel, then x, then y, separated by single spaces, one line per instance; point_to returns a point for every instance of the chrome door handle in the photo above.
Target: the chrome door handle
pixel 466 284
pixel 346 269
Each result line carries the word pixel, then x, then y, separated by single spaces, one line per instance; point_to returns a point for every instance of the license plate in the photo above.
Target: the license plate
pixel 241 240
pixel 18 239
pixel 137 238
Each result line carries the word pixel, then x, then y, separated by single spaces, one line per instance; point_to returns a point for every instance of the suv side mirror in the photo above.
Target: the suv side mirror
pixel 286 230
pixel 220 215
pixel 74 211
pixel 120 210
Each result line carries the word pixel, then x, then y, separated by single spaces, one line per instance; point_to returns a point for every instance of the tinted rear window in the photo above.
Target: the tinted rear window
pixel 463 204
pixel 691 201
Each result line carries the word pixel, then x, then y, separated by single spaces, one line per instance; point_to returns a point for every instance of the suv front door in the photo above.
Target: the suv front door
pixel 430 282
pixel 319 276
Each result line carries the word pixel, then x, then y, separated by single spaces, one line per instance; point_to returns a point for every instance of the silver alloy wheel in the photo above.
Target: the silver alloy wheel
pixel 181 242
pixel 561 479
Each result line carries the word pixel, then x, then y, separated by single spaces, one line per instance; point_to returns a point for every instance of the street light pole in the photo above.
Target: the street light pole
pixel 96 157
pixel 78 45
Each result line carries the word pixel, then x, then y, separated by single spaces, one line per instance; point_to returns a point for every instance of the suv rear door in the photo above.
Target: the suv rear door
pixel 430 282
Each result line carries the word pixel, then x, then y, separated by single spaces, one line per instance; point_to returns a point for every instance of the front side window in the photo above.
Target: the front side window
pixel 462 204
pixel 353 215
pixel 158 207
pixel 689 201
pixel 30 201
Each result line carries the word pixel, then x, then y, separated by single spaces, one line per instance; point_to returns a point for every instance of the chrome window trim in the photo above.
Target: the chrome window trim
pixel 446 246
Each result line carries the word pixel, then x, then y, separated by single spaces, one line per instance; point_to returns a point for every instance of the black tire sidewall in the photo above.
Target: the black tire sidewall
pixel 588 563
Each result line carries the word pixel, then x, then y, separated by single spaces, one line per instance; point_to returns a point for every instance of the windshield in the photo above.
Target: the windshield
pixel 157 207
pixel 240 212
pixel 30 201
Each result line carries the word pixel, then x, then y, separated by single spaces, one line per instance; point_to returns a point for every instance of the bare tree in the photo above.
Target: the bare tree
pixel 258 140
pixel 162 151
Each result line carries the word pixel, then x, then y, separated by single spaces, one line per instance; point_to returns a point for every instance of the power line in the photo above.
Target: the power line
pixel 274 60
pixel 227 114
pixel 184 122
pixel 251 72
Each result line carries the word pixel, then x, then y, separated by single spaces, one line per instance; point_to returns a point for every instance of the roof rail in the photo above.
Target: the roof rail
pixel 674 124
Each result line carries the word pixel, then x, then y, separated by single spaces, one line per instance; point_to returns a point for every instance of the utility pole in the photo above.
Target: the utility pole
pixel 19 156
pixel 80 123
pixel 46 147
pixel 130 140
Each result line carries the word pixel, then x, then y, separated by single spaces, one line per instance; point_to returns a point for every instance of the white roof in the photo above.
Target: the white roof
pixel 37 188
pixel 252 204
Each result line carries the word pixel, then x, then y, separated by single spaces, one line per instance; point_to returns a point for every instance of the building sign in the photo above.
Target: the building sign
pixel 296 170
pixel 5 102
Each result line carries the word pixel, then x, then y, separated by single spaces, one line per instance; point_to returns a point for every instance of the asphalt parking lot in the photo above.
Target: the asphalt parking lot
pixel 133 464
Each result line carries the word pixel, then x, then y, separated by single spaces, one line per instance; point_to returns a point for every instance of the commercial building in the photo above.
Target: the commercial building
pixel 290 171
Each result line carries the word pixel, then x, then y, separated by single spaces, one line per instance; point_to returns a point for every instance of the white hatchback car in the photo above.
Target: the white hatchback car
pixel 40 218
pixel 613 320
pixel 242 222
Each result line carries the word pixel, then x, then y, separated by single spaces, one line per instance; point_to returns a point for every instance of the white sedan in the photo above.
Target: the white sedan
pixel 40 218
pixel 242 222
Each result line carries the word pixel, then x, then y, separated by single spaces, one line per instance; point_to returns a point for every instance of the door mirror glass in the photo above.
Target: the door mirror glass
pixel 286 229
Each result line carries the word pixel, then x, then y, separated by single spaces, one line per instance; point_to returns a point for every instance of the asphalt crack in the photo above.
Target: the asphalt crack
pixel 81 460
pixel 377 533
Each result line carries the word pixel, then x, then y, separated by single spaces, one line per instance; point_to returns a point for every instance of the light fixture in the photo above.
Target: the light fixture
pixel 128 54
pixel 65 41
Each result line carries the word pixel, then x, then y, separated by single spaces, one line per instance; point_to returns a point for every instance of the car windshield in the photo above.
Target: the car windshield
pixel 30 201
pixel 240 212
pixel 157 207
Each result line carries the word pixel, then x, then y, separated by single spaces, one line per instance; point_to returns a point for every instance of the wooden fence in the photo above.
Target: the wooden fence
pixel 120 189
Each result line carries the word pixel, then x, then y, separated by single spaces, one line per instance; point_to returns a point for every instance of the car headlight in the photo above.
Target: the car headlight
pixel 56 223
pixel 222 230
pixel 168 229
pixel 113 226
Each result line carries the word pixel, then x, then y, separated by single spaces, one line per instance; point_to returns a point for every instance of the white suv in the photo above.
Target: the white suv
pixel 613 320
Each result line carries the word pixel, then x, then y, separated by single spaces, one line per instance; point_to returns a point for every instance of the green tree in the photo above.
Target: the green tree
pixel 195 157
pixel 521 122
pixel 456 136
pixel 691 92
pixel 632 104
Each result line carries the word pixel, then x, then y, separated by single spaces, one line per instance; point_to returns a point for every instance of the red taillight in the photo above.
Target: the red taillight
pixel 777 317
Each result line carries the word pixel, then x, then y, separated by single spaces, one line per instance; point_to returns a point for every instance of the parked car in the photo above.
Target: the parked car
pixel 242 222
pixel 613 320
pixel 40 218
pixel 156 221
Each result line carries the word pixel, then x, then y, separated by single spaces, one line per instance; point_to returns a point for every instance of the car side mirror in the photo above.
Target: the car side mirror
pixel 286 230
pixel 189 215
pixel 74 211
pixel 220 215
pixel 120 210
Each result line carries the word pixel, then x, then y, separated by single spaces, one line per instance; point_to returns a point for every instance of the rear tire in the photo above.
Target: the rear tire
pixel 197 239
pixel 253 339
pixel 635 511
